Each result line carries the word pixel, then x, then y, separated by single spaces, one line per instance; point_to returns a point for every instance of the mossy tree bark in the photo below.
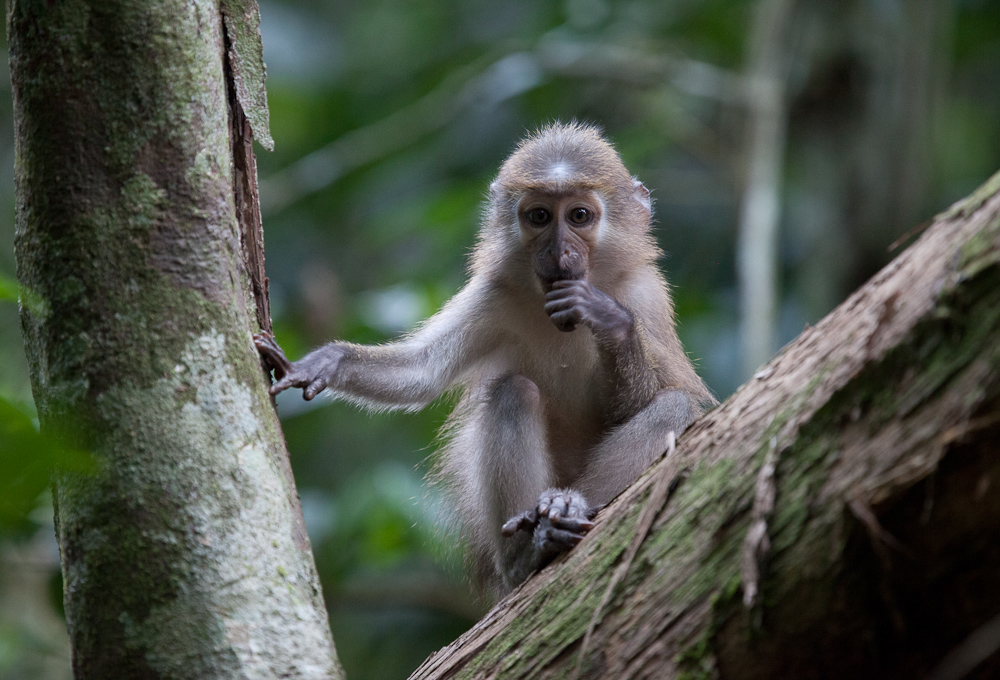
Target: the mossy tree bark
pixel 184 555
pixel 837 517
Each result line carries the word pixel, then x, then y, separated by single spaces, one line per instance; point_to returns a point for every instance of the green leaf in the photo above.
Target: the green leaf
pixel 8 289
pixel 12 292
pixel 27 461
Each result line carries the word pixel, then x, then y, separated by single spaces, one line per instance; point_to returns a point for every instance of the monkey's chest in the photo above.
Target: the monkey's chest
pixel 573 391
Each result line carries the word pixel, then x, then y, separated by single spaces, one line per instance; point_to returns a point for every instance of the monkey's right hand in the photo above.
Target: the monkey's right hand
pixel 313 372
pixel 559 521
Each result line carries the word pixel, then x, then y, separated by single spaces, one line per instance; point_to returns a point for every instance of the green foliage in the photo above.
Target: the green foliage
pixel 11 292
pixel 8 289
pixel 27 461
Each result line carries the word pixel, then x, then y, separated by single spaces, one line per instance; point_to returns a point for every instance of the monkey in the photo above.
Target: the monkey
pixel 562 345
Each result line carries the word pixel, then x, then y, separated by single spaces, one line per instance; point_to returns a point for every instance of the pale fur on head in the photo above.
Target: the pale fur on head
pixel 565 157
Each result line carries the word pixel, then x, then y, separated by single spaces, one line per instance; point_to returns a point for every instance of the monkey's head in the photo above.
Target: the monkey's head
pixel 564 206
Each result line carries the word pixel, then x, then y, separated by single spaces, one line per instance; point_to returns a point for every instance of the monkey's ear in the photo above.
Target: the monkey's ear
pixel 641 194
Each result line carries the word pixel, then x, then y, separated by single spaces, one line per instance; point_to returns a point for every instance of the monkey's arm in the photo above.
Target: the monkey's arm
pixel 621 343
pixel 407 374
pixel 645 413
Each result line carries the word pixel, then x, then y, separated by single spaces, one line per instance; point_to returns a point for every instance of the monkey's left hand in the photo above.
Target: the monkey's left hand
pixel 571 303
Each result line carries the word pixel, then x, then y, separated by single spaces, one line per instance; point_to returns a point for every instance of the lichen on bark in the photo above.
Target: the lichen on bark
pixel 184 555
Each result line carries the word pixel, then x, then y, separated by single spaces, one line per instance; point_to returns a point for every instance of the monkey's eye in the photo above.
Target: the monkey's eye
pixel 539 217
pixel 579 216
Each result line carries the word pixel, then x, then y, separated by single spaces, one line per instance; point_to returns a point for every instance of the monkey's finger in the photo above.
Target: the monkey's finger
pixel 314 388
pixel 559 507
pixel 264 341
pixel 279 371
pixel 577 526
pixel 280 363
pixel 572 295
pixel 559 537
pixel 517 522
pixel 526 521
pixel 568 283
pixel 566 321
pixel 562 304
pixel 272 353
pixel 282 385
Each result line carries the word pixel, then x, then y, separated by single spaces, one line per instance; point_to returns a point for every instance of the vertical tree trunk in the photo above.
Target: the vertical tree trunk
pixel 185 554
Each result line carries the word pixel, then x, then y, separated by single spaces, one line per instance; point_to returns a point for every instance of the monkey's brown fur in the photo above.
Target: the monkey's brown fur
pixel 550 423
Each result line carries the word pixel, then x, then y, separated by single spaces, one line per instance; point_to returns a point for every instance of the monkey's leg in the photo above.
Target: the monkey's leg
pixel 513 470
pixel 630 448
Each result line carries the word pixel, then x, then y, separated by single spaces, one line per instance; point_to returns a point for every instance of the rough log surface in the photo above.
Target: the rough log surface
pixel 837 517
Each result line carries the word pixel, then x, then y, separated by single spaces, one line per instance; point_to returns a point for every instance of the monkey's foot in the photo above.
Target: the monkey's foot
pixel 565 509
pixel 559 521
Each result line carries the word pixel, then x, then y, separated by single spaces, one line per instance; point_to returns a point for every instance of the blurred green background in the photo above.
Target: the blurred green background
pixel 390 118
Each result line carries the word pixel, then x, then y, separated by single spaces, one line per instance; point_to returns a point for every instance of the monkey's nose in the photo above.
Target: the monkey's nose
pixel 569 260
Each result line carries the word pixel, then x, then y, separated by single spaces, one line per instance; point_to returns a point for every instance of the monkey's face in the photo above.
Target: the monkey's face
pixel 560 232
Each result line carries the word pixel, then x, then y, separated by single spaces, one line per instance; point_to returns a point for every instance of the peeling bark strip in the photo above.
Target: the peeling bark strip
pixel 864 458
pixel 185 554
pixel 245 54
pixel 246 194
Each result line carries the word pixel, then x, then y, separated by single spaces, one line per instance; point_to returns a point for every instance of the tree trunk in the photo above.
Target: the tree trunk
pixel 757 242
pixel 185 554
pixel 837 517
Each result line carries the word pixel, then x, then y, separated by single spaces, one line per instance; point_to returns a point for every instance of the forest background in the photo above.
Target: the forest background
pixel 390 118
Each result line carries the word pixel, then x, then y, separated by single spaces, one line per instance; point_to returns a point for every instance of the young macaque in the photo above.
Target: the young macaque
pixel 562 344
